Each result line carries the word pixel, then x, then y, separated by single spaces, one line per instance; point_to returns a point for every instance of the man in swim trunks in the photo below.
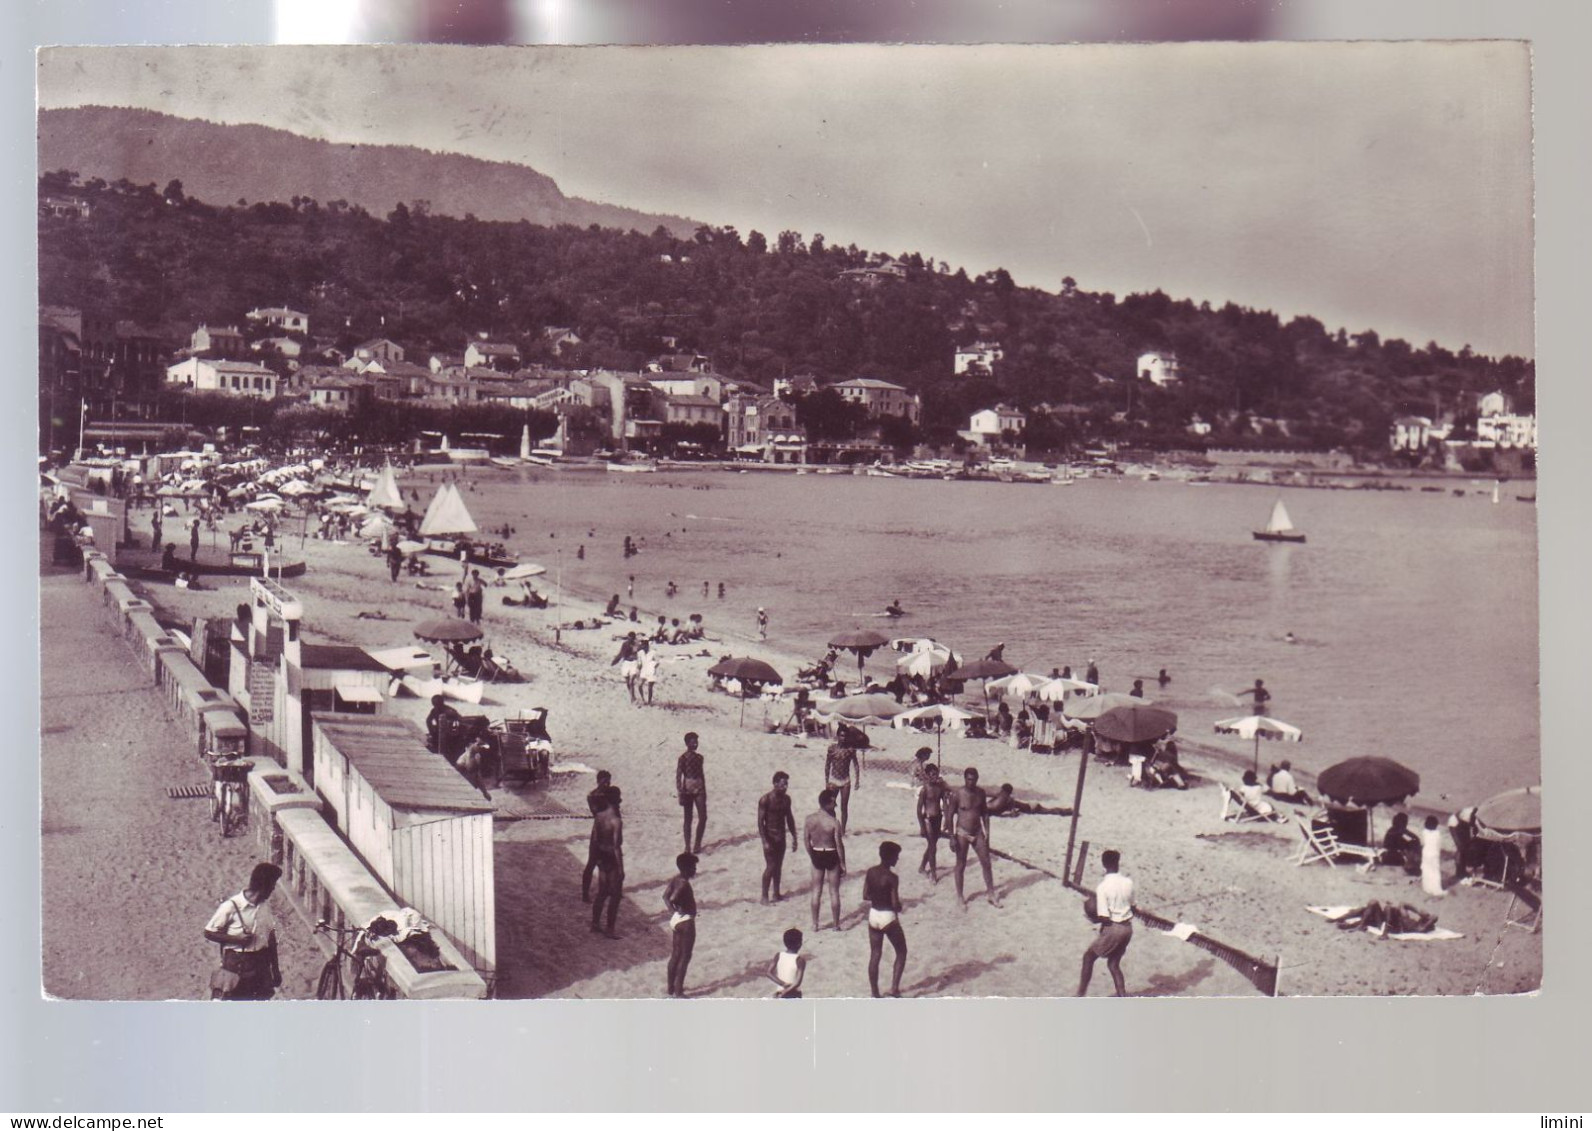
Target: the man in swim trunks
pixel 920 774
pixel 1114 913
pixel 681 902
pixel 774 818
pixel 840 767
pixel 969 820
pixel 931 819
pixel 1004 804
pixel 608 846
pixel 690 783
pixel 825 840
pixel 881 889
pixel 629 665
pixel 604 787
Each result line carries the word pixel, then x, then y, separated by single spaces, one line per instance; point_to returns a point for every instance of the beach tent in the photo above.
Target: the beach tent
pixel 385 493
pixel 447 514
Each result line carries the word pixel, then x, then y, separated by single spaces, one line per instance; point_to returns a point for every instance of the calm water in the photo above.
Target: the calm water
pixel 1416 613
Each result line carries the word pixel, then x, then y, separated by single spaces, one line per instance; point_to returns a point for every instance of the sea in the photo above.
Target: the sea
pixel 1414 614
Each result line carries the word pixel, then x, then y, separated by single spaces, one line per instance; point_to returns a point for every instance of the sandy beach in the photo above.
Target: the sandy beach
pixel 1236 884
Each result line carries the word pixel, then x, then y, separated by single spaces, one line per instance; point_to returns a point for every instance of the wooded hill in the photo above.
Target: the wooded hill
pixel 760 307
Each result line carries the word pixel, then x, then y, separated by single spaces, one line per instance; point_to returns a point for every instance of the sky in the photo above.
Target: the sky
pixel 1381 186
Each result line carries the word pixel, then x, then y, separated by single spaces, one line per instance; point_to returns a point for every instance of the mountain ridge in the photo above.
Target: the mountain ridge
pixel 224 162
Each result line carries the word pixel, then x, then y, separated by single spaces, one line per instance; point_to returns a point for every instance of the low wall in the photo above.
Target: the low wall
pixel 325 880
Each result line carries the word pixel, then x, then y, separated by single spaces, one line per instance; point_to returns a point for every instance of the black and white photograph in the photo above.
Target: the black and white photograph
pixel 788 522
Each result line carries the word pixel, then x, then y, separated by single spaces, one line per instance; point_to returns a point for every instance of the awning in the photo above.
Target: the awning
pixel 358 693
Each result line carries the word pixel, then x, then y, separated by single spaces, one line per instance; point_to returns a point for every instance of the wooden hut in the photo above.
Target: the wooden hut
pixel 419 825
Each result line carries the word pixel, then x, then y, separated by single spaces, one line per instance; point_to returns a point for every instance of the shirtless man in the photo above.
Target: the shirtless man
pixel 628 662
pixel 969 820
pixel 840 767
pixel 825 840
pixel 774 818
pixel 604 786
pixel 881 888
pixel 690 784
pixel 931 818
pixel 608 845
pixel 1003 804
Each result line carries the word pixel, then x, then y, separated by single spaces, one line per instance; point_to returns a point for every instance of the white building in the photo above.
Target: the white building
pixel 1411 433
pixel 993 423
pixel 239 378
pixel 977 360
pixel 1158 368
pixel 1508 431
pixel 280 317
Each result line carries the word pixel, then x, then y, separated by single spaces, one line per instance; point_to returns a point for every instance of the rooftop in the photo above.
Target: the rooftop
pixel 390 754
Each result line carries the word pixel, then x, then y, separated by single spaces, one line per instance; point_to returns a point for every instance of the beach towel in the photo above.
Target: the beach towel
pixel 1435 934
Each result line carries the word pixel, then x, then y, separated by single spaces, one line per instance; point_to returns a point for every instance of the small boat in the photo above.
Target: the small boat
pixel 633 467
pixel 1279 527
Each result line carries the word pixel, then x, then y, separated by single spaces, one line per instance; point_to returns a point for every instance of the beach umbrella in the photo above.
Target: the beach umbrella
pixel 747 671
pixel 410 546
pixel 1369 781
pixel 925 663
pixel 872 707
pixel 862 641
pixel 984 669
pixel 264 505
pixel 377 527
pixel 447 630
pixel 943 714
pixel 1061 688
pixel 1515 812
pixel 1258 727
pixel 523 570
pixel 1093 706
pixel 1021 685
pixel 1142 723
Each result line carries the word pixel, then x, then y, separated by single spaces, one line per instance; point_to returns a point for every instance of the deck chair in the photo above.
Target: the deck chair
pixel 1237 810
pixel 1525 905
pixel 1319 842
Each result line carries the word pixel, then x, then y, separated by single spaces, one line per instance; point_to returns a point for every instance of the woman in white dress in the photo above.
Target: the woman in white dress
pixel 1431 858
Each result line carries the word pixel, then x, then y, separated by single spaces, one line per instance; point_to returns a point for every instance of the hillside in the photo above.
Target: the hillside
pixel 225 163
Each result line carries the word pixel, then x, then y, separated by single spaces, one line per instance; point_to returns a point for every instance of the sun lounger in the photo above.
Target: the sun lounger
pixel 1319 842
pixel 1239 811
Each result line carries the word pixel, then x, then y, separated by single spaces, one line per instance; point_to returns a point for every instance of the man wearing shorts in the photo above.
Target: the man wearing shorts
pixel 605 782
pixel 969 820
pixel 881 889
pixel 774 819
pixel 691 785
pixel 825 840
pixel 931 818
pixel 1114 912
pixel 629 666
pixel 840 767
pixel 608 846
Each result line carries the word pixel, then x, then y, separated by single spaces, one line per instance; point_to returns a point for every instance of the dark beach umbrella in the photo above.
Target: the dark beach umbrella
pixel 1513 811
pixel 863 642
pixel 1135 724
pixel 1369 781
pixel 982 670
pixel 449 630
pixel 748 671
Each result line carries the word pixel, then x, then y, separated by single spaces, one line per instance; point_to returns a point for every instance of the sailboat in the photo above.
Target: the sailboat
pixel 1279 527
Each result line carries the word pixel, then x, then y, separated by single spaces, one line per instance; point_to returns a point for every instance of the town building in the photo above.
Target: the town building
pixel 881 398
pixel 977 360
pixel 764 427
pixel 341 392
pixel 377 350
pixel 560 337
pixel 237 378
pixel 797 387
pixel 216 341
pixel 688 409
pixel 708 385
pixel 1158 367
pixel 492 355
pixel 991 425
pixel 1411 434
pixel 281 318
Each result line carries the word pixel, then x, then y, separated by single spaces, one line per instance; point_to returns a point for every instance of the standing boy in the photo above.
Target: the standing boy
pixel 691 785
pixel 825 840
pixel 1114 913
pixel 881 888
pixel 608 846
pixel 774 819
pixel 681 902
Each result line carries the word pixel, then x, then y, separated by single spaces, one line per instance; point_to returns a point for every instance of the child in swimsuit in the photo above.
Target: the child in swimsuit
pixel 789 966
pixel 681 902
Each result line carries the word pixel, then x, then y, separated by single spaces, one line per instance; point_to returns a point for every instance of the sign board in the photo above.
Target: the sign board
pixel 262 692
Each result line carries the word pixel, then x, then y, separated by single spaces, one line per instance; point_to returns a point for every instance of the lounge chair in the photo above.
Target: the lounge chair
pixel 1319 842
pixel 1239 811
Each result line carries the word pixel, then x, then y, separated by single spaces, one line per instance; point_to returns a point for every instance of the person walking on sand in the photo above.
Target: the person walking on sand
pixel 762 623
pixel 840 768
pixel 1431 858
pixel 629 665
pixel 395 561
pixel 774 819
pixel 193 540
pixel 690 784
pixel 969 821
pixel 681 903
pixel 608 846
pixel 1092 675
pixel 460 600
pixel 603 789
pixel 646 673
pixel 1113 910
pixel 881 889
pixel 246 933
pixel 931 817
pixel 825 841
pixel 474 592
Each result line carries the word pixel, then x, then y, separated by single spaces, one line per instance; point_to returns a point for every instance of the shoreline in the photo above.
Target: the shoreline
pixel 1236 884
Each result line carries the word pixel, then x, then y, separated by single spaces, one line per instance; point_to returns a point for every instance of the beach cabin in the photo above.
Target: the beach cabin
pixel 414 819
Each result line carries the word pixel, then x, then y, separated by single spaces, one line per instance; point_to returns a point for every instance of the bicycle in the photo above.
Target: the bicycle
pixel 368 968
pixel 229 803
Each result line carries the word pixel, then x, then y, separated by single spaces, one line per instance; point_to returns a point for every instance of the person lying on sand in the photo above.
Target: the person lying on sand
pixel 371 614
pixel 1003 804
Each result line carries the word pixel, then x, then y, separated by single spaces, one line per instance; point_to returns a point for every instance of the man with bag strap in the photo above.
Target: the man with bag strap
pixel 246 933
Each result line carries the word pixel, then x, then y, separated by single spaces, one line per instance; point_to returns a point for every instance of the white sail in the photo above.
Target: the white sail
pixel 385 493
pixel 525 442
pixel 447 514
pixel 1279 523
pixel 444 442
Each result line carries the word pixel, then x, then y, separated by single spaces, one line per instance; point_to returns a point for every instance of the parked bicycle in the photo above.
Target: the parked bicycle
pixel 229 798
pixel 367 974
